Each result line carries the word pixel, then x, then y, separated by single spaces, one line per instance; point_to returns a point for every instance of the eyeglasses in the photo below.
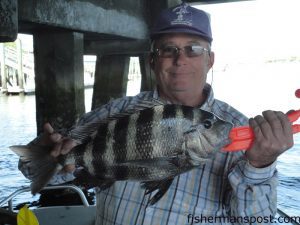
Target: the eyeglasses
pixel 173 51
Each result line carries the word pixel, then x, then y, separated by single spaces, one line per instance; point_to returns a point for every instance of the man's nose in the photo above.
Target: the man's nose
pixel 180 58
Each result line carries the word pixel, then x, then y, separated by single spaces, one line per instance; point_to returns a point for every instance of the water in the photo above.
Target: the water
pixel 289 180
pixel 17 126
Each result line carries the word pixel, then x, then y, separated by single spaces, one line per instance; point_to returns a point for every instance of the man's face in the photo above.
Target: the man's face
pixel 184 73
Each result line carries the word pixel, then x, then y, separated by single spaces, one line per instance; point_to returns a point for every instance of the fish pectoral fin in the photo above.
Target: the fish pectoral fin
pixel 85 179
pixel 161 186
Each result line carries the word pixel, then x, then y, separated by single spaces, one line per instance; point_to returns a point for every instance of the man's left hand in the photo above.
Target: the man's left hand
pixel 273 136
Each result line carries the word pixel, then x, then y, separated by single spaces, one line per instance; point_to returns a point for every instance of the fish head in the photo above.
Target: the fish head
pixel 206 137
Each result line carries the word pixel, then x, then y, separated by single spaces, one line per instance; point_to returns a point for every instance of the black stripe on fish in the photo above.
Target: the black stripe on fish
pixel 99 147
pixel 188 112
pixel 144 131
pixel 78 152
pixel 120 147
pixel 145 116
pixel 120 139
pixel 169 111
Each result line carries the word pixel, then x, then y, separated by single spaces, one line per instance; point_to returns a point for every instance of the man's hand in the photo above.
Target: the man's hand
pixel 273 136
pixel 61 145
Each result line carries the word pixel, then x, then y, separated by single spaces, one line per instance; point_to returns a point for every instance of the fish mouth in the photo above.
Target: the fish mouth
pixel 225 140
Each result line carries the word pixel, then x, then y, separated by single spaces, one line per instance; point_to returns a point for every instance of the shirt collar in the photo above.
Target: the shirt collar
pixel 207 105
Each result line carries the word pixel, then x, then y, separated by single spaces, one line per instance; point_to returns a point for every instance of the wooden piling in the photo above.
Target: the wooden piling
pixel 59 78
pixel 110 78
pixel 8 20
pixel 148 77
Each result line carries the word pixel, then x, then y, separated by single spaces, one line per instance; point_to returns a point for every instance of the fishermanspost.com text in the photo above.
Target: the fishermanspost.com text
pixel 194 219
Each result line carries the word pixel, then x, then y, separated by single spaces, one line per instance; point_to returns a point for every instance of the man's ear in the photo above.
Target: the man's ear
pixel 211 59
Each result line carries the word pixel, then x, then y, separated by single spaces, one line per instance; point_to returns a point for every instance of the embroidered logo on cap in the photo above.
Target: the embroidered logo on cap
pixel 183 15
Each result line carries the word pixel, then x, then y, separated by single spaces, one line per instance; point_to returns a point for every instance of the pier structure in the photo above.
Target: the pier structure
pixel 64 31
pixel 17 69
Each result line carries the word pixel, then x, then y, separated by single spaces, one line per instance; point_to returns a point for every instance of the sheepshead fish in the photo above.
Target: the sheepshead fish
pixel 152 145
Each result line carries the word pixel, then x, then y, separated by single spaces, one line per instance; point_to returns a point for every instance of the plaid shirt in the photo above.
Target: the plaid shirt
pixel 224 190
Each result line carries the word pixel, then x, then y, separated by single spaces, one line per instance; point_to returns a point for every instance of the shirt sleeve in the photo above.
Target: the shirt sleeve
pixel 254 192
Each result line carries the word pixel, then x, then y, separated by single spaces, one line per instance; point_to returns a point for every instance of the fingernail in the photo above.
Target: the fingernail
pixel 64 151
pixel 55 137
pixel 55 153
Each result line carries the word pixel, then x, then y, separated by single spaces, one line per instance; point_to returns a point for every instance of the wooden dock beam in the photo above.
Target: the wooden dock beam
pixel 59 78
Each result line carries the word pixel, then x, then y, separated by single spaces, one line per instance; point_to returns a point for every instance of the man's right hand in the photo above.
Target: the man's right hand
pixel 61 145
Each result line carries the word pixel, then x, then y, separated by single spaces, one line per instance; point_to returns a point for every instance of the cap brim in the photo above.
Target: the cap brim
pixel 181 30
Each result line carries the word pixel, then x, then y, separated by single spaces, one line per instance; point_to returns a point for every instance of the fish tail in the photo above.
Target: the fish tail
pixel 42 165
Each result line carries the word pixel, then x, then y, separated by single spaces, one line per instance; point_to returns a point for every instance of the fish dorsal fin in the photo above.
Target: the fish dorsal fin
pixel 83 132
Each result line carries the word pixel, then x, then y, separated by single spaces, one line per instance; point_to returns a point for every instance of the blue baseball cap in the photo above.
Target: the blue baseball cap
pixel 183 19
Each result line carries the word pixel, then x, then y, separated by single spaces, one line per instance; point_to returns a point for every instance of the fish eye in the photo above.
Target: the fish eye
pixel 207 124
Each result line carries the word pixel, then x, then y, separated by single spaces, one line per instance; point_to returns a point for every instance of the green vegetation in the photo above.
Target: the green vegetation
pixel 11 45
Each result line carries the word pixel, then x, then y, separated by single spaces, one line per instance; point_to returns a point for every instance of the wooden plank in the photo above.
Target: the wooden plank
pixel 115 18
pixel 114 47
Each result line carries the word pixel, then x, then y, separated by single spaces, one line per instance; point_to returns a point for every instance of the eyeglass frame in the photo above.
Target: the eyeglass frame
pixel 156 51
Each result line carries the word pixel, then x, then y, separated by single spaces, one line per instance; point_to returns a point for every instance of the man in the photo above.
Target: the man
pixel 232 188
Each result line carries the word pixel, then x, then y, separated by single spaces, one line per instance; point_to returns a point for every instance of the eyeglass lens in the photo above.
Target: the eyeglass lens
pixel 173 51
